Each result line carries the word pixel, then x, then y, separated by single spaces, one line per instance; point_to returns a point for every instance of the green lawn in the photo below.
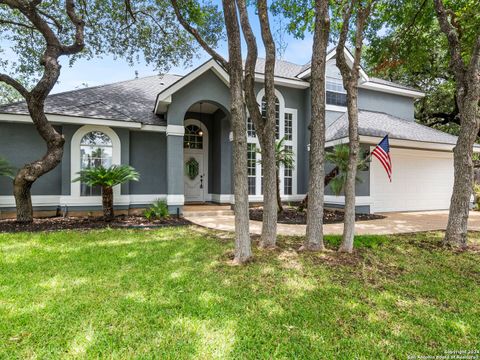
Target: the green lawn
pixel 172 293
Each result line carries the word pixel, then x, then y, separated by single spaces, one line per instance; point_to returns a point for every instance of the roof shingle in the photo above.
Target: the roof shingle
pixel 131 100
pixel 378 124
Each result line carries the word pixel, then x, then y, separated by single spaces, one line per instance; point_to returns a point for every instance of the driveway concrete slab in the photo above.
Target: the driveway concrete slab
pixel 394 223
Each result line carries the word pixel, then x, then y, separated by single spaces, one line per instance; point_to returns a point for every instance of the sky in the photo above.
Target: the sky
pixel 105 70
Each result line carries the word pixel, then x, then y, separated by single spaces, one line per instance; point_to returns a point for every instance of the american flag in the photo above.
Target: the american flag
pixel 382 153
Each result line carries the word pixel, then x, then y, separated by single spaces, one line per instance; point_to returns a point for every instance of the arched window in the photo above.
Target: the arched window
pixel 96 149
pixel 193 138
pixel 277 115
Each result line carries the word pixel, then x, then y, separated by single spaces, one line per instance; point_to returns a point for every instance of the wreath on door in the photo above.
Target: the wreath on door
pixel 191 168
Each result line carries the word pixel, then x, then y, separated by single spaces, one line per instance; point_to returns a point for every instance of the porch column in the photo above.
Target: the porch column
pixel 175 191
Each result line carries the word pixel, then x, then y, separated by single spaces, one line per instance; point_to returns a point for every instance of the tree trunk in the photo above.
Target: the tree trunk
pixel 27 175
pixel 271 190
pixel 243 251
pixel 467 79
pixel 349 189
pixel 350 77
pixel 316 183
pixel 107 202
pixel 264 126
pixel 457 226
pixel 329 177
pixel 279 199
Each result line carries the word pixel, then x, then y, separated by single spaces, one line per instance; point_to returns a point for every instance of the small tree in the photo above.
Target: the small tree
pixel 339 157
pixel 283 156
pixel 107 178
pixel 6 169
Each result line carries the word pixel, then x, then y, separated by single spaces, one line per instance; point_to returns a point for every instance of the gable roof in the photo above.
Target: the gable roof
pixel 368 82
pixel 130 100
pixel 379 124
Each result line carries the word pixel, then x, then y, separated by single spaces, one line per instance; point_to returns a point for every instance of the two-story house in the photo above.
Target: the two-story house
pixel 158 124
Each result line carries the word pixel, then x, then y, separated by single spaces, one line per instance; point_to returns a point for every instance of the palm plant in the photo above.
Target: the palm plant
pixel 6 169
pixel 339 157
pixel 283 156
pixel 107 178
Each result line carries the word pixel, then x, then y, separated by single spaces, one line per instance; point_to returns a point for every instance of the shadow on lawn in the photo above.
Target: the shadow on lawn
pixel 172 294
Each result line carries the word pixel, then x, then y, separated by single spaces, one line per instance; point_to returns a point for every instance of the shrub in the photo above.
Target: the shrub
pixel 158 210
pixel 107 178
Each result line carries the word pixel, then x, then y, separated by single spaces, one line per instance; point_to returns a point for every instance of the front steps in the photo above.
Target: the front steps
pixel 196 210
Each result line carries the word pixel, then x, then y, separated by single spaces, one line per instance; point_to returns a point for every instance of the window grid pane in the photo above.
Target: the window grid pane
pixel 250 128
pixel 288 176
pixel 251 168
pixel 288 126
pixel 336 94
pixel 193 138
pixel 277 115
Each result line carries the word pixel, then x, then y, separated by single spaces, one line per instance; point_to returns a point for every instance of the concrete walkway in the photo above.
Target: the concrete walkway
pixel 394 223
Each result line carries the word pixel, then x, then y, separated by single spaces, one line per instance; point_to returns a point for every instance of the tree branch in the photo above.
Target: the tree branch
pixel 456 61
pixel 250 64
pixel 15 23
pixel 15 84
pixel 79 43
pixel 342 40
pixel 194 32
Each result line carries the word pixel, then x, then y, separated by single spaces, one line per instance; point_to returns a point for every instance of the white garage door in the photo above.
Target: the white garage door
pixel 421 180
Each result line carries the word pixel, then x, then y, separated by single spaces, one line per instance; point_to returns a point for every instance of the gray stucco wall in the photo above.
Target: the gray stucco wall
pixel 400 106
pixel 20 144
pixel 148 156
pixel 207 87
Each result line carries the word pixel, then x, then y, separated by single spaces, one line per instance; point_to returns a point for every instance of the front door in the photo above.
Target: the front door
pixel 194 162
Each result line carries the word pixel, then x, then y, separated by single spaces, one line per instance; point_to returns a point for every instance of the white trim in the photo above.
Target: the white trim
pixel 370 85
pixel 154 128
pixel 175 200
pixel 65 119
pixel 75 156
pixel 335 108
pixel 340 200
pixel 175 130
pixel 59 200
pixel 165 96
pixel 278 94
pixel 204 151
pixel 409 144
pixel 280 81
pixel 222 198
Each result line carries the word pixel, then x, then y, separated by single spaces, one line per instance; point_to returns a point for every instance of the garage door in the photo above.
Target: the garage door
pixel 421 180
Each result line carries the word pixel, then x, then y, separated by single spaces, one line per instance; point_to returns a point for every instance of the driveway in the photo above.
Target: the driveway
pixel 394 223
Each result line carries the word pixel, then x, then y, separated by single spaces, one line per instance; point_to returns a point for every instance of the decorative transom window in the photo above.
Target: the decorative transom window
pixel 193 138
pixel 96 149
pixel 336 94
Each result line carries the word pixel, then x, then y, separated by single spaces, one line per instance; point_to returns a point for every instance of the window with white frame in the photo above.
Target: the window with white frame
pixel 336 94
pixel 96 149
pixel 288 175
pixel 284 129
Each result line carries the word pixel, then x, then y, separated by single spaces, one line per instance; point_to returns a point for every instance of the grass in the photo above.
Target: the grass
pixel 172 294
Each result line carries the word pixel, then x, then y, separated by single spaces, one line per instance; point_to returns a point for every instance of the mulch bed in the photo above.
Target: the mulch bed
pixel 84 223
pixel 291 215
